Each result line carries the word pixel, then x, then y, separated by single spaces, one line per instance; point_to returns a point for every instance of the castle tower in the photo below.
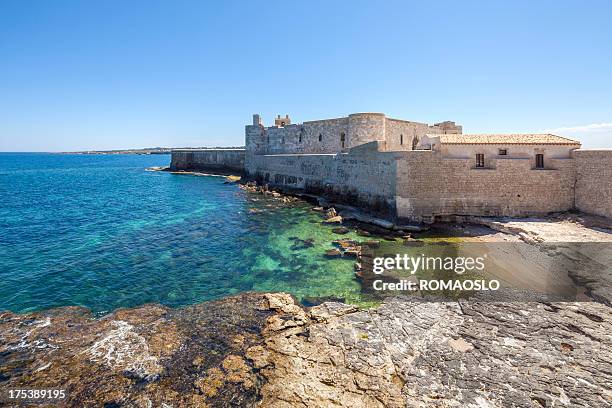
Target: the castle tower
pixel 282 122
pixel 254 141
pixel 365 128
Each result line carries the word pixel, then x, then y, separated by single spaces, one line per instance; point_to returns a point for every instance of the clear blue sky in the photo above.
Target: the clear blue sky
pixel 78 75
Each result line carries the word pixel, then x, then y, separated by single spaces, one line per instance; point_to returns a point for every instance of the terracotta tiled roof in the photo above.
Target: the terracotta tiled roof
pixel 516 138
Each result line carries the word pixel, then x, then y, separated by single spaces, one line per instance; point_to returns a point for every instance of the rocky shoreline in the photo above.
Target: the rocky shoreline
pixel 267 350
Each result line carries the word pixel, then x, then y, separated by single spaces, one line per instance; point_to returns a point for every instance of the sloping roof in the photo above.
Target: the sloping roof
pixel 515 138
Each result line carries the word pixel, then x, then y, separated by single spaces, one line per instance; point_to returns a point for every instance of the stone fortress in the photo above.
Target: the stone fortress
pixel 414 172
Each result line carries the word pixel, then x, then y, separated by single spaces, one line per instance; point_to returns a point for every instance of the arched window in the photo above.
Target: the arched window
pixel 320 137
pixel 342 139
pixel 401 139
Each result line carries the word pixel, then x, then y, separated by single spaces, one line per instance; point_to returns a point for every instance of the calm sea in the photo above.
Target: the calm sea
pixel 100 231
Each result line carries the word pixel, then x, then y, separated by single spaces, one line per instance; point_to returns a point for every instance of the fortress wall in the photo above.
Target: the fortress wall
pixel 255 141
pixel 329 130
pixel 225 160
pixel 281 140
pixel 302 138
pixel 395 129
pixel 362 177
pixel 594 181
pixel 429 185
pixel 358 129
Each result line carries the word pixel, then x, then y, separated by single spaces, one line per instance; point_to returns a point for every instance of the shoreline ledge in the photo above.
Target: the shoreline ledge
pixel 266 349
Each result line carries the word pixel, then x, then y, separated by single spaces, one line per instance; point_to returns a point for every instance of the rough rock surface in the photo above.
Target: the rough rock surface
pixel 419 354
pixel 143 357
pixel 267 350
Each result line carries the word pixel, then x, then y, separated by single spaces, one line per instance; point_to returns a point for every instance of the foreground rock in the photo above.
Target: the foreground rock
pixel 266 350
pixel 442 355
pixel 142 357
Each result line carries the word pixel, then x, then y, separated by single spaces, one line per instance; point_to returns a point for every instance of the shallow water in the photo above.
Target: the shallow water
pixel 100 231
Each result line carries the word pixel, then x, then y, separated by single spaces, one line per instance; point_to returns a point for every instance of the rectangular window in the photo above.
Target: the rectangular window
pixel 503 152
pixel 320 137
pixel 539 161
pixel 479 160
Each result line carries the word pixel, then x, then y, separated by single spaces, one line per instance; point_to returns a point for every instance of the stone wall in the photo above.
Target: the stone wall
pixel 361 177
pixel 338 135
pixel 594 181
pixel 220 160
pixel 368 160
pixel 422 185
pixel 402 134
pixel 432 186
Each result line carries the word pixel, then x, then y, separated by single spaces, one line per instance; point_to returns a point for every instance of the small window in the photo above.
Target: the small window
pixel 300 138
pixel 401 139
pixel 479 160
pixel 503 152
pixel 283 140
pixel 539 161
pixel 320 137
pixel 342 139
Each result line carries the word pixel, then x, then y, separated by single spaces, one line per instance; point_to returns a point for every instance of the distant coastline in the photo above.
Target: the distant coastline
pixel 146 150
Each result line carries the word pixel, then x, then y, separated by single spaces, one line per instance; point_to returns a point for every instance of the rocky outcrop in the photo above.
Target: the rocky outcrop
pixel 143 357
pixel 267 350
pixel 444 355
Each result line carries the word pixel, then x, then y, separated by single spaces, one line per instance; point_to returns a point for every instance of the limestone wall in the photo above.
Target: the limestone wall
pixel 224 160
pixel 362 176
pixel 330 132
pixel 400 134
pixel 339 134
pixel 594 181
pixel 321 136
pixel 430 185
pixel 423 185
pixel 367 159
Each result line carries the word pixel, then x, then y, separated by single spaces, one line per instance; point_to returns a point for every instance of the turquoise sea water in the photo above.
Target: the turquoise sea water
pixel 100 231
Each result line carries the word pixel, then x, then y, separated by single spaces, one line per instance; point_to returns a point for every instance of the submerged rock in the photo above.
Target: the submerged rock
pixel 341 230
pixel 333 253
pixel 333 220
pixel 353 252
pixel 371 243
pixel 299 244
pixel 331 212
